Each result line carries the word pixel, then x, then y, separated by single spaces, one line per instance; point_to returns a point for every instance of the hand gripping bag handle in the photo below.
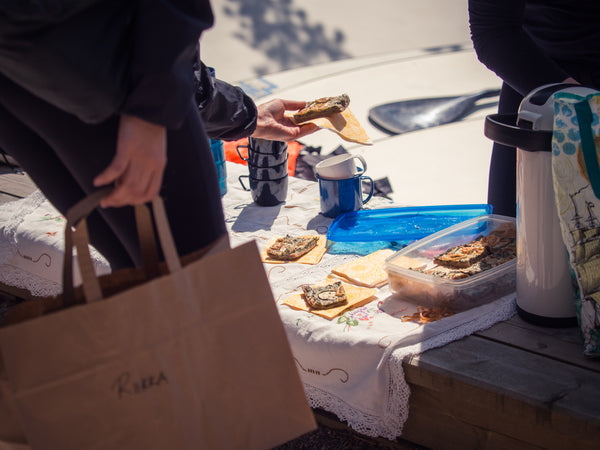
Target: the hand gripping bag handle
pixel 76 235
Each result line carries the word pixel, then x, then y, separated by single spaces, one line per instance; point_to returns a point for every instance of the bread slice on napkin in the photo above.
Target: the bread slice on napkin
pixel 314 256
pixel 355 296
pixel 332 113
pixel 366 271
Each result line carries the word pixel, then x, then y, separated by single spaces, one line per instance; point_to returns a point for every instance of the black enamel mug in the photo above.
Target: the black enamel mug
pixel 266 192
pixel 268 172
pixel 264 153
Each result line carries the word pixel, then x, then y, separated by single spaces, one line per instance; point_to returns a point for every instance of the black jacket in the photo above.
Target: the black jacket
pixel 529 43
pixel 95 58
pixel 227 112
pixel 164 54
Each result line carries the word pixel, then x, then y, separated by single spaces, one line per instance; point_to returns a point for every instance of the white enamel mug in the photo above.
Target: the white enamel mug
pixel 340 167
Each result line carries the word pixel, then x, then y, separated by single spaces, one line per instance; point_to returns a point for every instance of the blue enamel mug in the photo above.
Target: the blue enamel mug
pixel 339 196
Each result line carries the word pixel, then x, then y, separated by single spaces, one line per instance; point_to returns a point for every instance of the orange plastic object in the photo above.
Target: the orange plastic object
pixel 232 155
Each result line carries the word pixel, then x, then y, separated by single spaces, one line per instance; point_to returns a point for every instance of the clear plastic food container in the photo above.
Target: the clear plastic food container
pixel 415 277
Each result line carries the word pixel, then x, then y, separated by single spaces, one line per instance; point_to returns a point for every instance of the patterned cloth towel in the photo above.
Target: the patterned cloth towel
pixel 576 177
pixel 351 365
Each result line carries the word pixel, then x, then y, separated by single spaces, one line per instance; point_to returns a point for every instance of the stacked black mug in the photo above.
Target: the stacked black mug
pixel 268 171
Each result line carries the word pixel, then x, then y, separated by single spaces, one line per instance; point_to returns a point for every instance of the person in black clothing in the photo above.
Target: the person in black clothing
pixel 528 44
pixel 156 143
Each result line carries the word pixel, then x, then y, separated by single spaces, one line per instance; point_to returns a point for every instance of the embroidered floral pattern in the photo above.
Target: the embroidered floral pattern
pixel 354 318
pixel 52 218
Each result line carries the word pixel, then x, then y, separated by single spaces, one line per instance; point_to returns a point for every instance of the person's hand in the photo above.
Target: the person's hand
pixel 272 123
pixel 138 166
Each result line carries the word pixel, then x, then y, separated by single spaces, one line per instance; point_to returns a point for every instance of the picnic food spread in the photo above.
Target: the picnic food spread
pixel 483 244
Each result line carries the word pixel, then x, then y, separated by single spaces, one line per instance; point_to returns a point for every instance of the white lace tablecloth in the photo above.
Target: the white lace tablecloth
pixel 32 246
pixel 350 366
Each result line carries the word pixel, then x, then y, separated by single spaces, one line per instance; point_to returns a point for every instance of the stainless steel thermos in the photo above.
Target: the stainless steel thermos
pixel 545 294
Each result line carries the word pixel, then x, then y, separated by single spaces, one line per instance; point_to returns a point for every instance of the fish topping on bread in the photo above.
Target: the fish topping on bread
pixel 290 248
pixel 322 107
pixel 325 296
pixel 463 256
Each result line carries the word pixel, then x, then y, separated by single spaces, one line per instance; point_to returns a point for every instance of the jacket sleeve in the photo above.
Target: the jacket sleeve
pixel 227 112
pixel 502 44
pixel 165 36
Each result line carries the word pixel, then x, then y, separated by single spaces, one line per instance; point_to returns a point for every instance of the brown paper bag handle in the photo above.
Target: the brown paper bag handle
pixel 84 208
pixel 76 235
pixel 74 215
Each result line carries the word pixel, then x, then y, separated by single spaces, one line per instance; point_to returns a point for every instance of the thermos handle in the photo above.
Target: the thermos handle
pixel 502 128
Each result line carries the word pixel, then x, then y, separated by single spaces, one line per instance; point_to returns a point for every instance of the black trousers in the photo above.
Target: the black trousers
pixel 502 183
pixel 63 155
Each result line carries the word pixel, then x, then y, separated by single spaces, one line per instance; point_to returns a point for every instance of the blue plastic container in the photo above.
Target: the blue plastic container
pixel 400 225
pixel 219 155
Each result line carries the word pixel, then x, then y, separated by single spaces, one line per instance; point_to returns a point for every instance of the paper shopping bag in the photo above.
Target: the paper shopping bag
pixel 12 436
pixel 576 177
pixel 194 358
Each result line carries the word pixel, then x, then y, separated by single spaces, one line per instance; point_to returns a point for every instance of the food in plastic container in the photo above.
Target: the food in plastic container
pixel 415 277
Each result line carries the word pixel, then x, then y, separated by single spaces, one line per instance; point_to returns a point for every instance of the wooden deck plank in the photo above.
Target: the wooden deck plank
pixel 14 183
pixel 5 198
pixel 563 344
pixel 434 422
pixel 500 391
pixel 446 419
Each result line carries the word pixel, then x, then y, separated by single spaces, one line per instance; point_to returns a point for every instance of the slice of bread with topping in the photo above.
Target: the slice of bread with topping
pixel 325 296
pixel 322 107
